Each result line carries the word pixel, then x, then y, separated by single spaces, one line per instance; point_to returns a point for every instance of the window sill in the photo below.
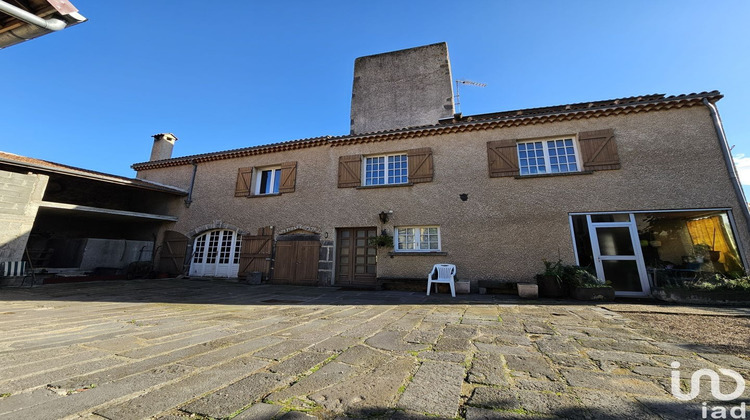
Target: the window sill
pixel 553 175
pixel 369 187
pixel 415 254
pixel 263 195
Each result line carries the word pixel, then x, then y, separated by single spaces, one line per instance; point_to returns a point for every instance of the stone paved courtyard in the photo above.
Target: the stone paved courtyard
pixel 178 349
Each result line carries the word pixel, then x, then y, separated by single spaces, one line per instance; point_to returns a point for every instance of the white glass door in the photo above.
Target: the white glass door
pixel 617 253
pixel 216 254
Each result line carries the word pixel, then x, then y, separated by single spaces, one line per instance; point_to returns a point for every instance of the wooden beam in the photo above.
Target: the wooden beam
pixel 99 210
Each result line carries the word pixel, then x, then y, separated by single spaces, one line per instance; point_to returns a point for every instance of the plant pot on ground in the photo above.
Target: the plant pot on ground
pixel 550 281
pixel 586 286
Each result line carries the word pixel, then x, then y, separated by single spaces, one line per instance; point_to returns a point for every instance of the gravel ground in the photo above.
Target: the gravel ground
pixel 724 333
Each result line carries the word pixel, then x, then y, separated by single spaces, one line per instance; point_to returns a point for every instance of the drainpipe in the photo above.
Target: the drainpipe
pixel 731 168
pixel 189 198
pixel 18 13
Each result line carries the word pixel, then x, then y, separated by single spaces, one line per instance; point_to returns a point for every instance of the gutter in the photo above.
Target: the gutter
pixel 20 14
pixel 731 169
pixel 37 26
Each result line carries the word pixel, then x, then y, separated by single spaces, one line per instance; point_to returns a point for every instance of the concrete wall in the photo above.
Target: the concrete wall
pixel 113 253
pixel 399 89
pixel 20 195
pixel 670 160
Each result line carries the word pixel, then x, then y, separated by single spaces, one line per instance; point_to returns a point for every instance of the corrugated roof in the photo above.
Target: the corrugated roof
pixel 645 103
pixel 47 166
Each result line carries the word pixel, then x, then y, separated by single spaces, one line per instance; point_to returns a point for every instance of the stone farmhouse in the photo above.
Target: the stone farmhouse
pixel 640 189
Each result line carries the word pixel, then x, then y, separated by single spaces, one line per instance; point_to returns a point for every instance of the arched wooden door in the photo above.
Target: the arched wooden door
pixel 216 254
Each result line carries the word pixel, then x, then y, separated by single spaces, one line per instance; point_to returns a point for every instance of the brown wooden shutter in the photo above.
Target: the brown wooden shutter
pixel 420 165
pixel 244 181
pixel 288 177
pixel 350 171
pixel 502 158
pixel 173 253
pixel 598 150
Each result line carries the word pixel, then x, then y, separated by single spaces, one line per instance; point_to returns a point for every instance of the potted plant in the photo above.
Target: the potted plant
pixel 550 281
pixel 586 286
pixel 381 241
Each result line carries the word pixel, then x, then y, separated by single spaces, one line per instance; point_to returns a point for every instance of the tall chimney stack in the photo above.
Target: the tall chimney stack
pixel 163 144
pixel 400 89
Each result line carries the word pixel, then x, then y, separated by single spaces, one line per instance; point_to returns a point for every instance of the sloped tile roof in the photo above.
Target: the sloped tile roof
pixel 39 165
pixel 583 110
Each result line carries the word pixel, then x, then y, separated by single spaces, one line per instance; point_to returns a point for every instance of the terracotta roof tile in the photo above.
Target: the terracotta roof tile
pixel 520 117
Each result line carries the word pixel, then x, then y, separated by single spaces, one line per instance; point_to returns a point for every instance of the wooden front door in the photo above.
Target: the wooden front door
pixel 296 262
pixel 355 259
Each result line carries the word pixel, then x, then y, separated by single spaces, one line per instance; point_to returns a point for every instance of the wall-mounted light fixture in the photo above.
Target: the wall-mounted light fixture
pixel 385 216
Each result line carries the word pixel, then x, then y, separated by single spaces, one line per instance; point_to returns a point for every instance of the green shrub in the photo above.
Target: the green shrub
pixel 721 283
pixel 572 276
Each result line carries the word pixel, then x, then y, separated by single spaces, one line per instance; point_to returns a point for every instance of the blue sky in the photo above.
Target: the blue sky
pixel 223 75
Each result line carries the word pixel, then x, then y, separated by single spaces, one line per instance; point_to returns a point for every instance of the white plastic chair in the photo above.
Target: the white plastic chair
pixel 445 274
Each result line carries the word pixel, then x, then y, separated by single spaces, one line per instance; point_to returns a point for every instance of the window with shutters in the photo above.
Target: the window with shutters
pixel 417 239
pixel 386 169
pixel 585 153
pixel 403 168
pixel 548 157
pixel 265 181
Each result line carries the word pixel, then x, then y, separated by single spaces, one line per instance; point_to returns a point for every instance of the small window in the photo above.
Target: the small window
pixel 417 239
pixel 548 157
pixel 267 181
pixel 386 169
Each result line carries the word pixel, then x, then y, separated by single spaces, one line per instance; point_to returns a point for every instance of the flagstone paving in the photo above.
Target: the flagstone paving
pixel 178 349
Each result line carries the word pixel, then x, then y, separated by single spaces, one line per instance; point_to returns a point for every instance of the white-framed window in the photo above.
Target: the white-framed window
pixel 267 180
pixel 386 169
pixel 548 156
pixel 417 239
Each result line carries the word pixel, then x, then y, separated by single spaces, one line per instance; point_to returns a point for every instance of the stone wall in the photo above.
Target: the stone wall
pixel 325 264
pixel 20 196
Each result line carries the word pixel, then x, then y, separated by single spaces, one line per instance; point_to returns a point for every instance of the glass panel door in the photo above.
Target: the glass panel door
pixel 216 254
pixel 617 254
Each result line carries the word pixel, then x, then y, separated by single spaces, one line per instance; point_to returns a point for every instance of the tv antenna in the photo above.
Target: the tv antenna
pixel 460 82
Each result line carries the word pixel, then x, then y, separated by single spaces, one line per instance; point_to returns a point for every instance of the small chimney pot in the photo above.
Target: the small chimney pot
pixel 163 145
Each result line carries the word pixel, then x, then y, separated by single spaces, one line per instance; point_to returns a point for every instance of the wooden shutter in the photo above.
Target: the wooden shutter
pixel 173 253
pixel 502 158
pixel 598 150
pixel 420 165
pixel 244 181
pixel 350 171
pixel 288 177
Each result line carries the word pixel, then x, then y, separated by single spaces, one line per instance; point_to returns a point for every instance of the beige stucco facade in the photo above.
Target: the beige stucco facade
pixel 670 160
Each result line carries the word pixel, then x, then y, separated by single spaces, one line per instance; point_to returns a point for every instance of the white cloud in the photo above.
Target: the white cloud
pixel 743 167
